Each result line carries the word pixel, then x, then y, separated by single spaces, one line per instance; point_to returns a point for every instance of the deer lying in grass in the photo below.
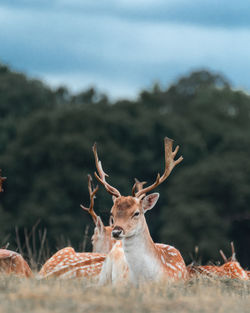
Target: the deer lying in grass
pixel 67 263
pixel 146 260
pixel 102 241
pixel 13 263
pixel 230 269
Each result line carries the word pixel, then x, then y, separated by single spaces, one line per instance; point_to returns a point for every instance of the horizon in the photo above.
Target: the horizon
pixel 100 91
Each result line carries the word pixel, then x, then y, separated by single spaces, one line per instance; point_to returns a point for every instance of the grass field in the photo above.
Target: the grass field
pixel 199 295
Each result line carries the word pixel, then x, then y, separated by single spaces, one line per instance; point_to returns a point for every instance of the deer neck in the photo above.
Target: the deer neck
pixel 141 256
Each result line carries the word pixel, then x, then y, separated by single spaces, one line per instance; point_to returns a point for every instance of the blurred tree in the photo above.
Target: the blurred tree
pixel 20 96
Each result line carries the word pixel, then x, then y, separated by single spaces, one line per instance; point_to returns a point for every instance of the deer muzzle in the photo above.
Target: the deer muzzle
pixel 117 232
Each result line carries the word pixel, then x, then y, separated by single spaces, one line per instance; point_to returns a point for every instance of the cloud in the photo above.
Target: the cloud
pixel 212 13
pixel 119 55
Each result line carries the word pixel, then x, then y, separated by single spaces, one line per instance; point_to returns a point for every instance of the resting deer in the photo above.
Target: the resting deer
pixel 115 269
pixel 230 269
pixel 67 263
pixel 102 241
pixel 13 263
pixel 146 260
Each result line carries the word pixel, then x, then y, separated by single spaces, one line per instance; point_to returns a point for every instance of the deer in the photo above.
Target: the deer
pixel 66 263
pixel 115 268
pixel 230 269
pixel 102 241
pixel 146 260
pixel 12 263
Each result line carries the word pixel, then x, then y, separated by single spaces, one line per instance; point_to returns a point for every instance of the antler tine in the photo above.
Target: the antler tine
pixel 2 179
pixel 233 257
pixel 6 246
pixel 137 185
pixel 170 163
pixel 101 177
pixel 92 197
pixel 223 256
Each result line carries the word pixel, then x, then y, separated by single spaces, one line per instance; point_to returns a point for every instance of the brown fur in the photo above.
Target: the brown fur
pixel 77 264
pixel 13 263
pixel 124 203
pixel 108 241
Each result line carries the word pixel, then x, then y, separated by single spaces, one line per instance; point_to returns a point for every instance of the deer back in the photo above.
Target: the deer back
pixel 67 263
pixel 13 263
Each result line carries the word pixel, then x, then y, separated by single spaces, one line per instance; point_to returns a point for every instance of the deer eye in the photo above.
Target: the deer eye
pixel 136 214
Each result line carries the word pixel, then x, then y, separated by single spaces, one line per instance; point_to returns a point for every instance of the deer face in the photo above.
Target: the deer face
pixel 127 215
pixel 102 241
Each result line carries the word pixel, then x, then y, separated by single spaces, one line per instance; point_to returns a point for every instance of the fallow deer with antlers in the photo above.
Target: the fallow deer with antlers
pixel 230 269
pixel 146 260
pixel 115 269
pixel 102 241
pixel 67 263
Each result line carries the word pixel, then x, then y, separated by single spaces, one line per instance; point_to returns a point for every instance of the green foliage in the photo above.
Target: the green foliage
pixel 45 151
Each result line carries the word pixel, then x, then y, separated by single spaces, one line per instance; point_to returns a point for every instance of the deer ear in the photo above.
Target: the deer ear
pixel 149 201
pixel 113 198
pixel 99 225
pixel 111 221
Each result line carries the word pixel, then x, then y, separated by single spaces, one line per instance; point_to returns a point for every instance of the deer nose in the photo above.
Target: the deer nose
pixel 116 232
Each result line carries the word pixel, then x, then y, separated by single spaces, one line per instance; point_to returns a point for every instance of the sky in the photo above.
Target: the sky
pixel 124 46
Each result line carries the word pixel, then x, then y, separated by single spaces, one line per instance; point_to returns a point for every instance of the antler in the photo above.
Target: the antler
pixel 92 197
pixel 2 179
pixel 137 185
pixel 170 163
pixel 233 257
pixel 101 178
pixel 223 256
pixel 5 246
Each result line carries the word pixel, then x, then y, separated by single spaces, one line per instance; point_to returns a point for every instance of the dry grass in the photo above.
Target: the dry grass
pixel 201 295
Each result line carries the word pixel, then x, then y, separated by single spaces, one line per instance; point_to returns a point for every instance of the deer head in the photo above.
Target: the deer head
pixel 127 213
pixel 102 240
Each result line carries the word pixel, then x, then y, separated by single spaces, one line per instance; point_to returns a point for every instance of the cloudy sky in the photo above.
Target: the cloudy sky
pixel 122 46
